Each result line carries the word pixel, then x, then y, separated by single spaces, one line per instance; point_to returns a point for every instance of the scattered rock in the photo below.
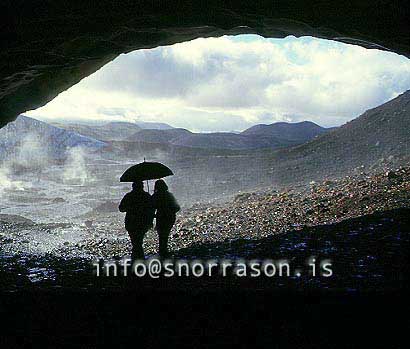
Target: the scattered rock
pixel 11 218
pixel 107 207
pixel 58 200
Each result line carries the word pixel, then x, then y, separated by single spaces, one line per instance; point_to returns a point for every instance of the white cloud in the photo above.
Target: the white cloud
pixel 227 83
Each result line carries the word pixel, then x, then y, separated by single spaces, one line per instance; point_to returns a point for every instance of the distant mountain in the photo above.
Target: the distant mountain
pixel 379 138
pixel 168 136
pixel 112 131
pixel 299 132
pixel 259 136
pixel 33 135
pixel 153 125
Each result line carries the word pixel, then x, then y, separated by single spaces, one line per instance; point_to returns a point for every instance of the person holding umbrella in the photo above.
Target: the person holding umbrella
pixel 139 205
pixel 139 216
pixel 167 207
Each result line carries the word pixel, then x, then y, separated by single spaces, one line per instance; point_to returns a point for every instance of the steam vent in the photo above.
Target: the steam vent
pixel 48 46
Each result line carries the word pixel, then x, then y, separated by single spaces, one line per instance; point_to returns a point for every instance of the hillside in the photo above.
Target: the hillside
pixel 153 125
pixel 159 136
pixel 183 138
pixel 225 140
pixel 34 135
pixel 379 138
pixel 112 131
pixel 299 132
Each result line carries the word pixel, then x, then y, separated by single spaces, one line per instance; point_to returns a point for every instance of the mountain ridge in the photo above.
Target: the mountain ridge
pixel 256 137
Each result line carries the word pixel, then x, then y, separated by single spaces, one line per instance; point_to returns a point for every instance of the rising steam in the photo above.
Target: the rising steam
pixel 75 169
pixel 6 183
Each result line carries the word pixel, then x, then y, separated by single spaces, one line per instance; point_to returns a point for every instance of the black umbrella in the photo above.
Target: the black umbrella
pixel 145 171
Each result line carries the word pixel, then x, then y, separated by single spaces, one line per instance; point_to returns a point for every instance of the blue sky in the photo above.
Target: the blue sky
pixel 231 83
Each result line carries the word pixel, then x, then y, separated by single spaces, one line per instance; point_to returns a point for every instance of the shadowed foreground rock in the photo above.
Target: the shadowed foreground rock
pixel 368 254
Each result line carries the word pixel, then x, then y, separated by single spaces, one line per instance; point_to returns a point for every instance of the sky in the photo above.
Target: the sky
pixel 233 82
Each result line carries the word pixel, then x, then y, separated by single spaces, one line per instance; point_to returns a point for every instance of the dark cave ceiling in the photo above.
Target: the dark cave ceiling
pixel 48 46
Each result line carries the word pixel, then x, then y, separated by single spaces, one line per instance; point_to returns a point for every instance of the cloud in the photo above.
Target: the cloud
pixel 229 83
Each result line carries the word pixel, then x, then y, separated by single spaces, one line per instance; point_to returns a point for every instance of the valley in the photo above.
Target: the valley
pixel 65 204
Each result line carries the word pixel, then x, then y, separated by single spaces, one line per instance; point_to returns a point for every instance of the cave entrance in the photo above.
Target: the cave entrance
pixel 204 107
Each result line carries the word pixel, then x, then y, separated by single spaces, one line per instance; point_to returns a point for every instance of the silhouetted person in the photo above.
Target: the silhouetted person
pixel 139 216
pixel 167 207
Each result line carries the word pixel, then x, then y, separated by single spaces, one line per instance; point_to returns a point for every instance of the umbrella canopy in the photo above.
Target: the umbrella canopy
pixel 145 171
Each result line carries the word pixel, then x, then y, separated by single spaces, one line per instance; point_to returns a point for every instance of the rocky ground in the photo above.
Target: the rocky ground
pixel 256 215
pixel 293 220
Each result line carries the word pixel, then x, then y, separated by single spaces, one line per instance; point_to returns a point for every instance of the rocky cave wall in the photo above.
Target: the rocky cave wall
pixel 46 46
